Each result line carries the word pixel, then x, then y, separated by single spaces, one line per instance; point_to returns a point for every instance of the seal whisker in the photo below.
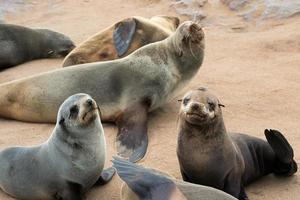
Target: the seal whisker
pixel 191 49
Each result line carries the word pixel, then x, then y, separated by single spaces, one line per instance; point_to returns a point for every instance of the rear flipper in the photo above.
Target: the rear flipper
pixel 146 184
pixel 285 164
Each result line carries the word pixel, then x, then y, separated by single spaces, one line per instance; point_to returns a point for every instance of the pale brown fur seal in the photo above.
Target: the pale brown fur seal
pixel 149 184
pixel 122 38
pixel 126 89
pixel 208 155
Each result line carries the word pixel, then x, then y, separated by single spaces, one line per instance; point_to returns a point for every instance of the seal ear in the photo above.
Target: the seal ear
pixel 123 35
pixel 221 105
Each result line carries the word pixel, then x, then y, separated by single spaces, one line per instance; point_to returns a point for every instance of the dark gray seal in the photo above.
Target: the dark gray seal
pixel 126 89
pixel 208 155
pixel 20 44
pixel 149 184
pixel 67 164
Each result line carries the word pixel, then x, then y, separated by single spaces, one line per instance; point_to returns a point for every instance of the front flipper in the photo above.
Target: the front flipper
pixel 106 176
pixel 71 191
pixel 123 35
pixel 243 195
pixel 132 139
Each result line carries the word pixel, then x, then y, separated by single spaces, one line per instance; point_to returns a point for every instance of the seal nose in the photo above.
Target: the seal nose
pixel 196 30
pixel 89 102
pixel 197 107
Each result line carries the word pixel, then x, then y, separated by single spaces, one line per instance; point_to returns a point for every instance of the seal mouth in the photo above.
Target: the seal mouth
pixel 65 52
pixel 197 116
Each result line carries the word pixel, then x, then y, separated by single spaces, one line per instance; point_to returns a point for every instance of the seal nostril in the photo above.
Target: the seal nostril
pixel 195 107
pixel 89 102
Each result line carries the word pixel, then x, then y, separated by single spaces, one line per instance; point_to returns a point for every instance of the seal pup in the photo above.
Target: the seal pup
pixel 149 184
pixel 122 38
pixel 24 44
pixel 126 89
pixel 67 164
pixel 211 156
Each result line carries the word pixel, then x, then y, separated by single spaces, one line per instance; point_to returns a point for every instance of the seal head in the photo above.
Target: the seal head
pixel 56 44
pixel 80 113
pixel 199 107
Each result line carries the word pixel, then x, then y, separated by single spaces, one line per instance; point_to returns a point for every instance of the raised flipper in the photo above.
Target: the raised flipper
pixel 106 176
pixel 283 151
pixel 123 35
pixel 145 183
pixel 132 139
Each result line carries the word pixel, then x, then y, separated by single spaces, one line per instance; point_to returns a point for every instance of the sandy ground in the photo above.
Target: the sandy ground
pixel 255 72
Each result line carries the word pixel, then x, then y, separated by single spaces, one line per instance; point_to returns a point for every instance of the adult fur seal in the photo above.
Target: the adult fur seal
pixel 66 165
pixel 122 38
pixel 24 44
pixel 126 89
pixel 149 184
pixel 208 155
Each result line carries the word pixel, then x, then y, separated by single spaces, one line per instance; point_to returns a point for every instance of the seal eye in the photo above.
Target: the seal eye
pixel 73 110
pixel 186 100
pixel 212 106
pixel 103 55
pixel 61 121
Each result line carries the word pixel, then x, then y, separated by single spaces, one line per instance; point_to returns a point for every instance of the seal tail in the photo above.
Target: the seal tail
pixel 139 179
pixel 284 163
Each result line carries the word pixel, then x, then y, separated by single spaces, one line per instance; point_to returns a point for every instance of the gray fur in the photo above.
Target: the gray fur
pixel 20 44
pixel 57 169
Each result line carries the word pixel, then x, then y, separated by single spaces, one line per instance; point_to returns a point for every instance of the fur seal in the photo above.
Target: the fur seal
pixel 211 156
pixel 24 44
pixel 122 38
pixel 149 184
pixel 126 89
pixel 67 164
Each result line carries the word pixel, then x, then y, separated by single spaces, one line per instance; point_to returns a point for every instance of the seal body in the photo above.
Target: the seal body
pixel 122 38
pixel 126 89
pixel 210 156
pixel 149 184
pixel 24 44
pixel 67 164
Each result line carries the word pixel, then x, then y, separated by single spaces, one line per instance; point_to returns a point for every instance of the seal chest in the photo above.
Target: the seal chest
pixel 64 167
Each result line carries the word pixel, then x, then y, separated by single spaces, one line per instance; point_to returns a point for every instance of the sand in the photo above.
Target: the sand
pixel 254 71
